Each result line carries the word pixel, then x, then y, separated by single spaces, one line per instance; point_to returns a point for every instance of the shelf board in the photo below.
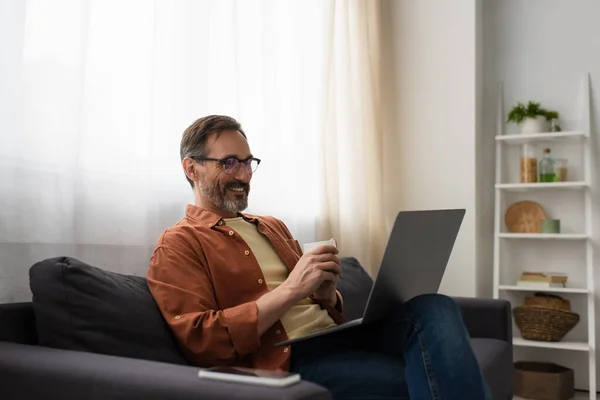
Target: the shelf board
pixel 554 236
pixel 549 290
pixel 520 139
pixel 579 395
pixel 577 346
pixel 541 186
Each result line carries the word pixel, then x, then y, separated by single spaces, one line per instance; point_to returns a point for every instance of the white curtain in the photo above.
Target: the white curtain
pixel 354 210
pixel 94 96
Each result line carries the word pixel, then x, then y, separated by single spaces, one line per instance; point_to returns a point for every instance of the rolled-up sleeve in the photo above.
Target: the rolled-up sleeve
pixel 182 288
pixel 243 327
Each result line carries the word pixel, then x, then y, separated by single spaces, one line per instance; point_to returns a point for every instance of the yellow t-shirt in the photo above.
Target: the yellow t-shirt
pixel 303 318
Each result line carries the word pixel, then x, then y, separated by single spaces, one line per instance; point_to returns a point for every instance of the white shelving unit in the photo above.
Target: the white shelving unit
pixel 547 236
pixel 549 290
pixel 504 287
pixel 524 138
pixel 564 345
pixel 520 187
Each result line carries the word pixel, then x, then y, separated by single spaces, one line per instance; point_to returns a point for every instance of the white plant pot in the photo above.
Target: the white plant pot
pixel 535 125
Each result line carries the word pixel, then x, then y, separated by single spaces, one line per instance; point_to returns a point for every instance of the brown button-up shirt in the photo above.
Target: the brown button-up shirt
pixel 206 283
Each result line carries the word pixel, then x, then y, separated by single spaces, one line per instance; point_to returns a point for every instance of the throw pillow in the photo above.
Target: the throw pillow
pixel 80 307
pixel 355 286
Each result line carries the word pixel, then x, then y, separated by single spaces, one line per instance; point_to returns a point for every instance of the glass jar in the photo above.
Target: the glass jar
pixel 528 165
pixel 561 169
pixel 555 125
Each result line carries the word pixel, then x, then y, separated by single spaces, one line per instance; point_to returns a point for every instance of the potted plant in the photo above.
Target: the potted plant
pixel 532 118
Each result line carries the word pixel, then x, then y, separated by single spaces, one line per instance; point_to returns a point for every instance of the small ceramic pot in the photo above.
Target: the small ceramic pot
pixel 534 125
pixel 550 226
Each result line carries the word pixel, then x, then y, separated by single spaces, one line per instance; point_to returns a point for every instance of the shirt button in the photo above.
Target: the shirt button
pixel 278 331
pixel 286 350
pixel 230 233
pixel 177 316
pixel 260 281
pixel 220 223
pixel 247 252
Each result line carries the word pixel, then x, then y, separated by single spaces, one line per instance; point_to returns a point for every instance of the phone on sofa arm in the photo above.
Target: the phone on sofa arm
pixel 250 376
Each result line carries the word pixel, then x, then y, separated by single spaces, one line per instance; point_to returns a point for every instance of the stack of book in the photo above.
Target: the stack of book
pixel 542 280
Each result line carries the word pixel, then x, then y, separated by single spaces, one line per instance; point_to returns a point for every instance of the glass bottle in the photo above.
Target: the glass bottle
pixel 547 168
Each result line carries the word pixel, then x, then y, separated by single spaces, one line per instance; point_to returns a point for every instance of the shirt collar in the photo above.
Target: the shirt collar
pixel 210 219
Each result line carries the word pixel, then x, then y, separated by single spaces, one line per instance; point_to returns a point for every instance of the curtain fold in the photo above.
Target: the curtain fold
pixel 353 137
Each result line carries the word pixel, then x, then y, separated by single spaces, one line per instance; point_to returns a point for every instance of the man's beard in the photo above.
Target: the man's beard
pixel 219 197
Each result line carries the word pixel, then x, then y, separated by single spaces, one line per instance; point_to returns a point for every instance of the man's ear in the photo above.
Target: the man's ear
pixel 189 167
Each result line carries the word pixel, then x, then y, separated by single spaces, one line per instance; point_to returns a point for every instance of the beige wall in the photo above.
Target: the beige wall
pixel 432 47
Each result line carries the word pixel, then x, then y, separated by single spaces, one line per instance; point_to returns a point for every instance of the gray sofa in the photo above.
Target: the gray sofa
pixel 37 362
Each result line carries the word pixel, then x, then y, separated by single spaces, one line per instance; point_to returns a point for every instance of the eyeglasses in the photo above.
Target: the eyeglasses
pixel 232 164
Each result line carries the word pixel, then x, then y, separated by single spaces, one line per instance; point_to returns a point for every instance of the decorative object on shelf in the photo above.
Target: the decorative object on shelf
pixel 533 118
pixel 550 301
pixel 547 167
pixel 528 165
pixel 550 226
pixel 542 280
pixel 555 125
pixel 543 381
pixel 524 217
pixel 561 169
pixel 545 317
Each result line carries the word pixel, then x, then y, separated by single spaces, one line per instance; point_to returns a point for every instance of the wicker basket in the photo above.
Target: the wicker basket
pixel 546 300
pixel 544 324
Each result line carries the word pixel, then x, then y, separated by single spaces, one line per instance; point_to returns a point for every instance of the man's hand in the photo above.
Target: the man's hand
pixel 326 292
pixel 316 273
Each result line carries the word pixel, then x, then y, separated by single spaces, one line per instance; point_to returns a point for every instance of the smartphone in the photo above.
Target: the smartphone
pixel 250 375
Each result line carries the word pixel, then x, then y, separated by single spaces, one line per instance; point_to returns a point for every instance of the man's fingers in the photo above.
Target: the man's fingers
pixel 330 266
pixel 326 284
pixel 327 257
pixel 326 248
pixel 328 276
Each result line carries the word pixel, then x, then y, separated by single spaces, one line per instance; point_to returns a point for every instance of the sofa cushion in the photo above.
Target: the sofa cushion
pixel 495 360
pixel 355 286
pixel 80 307
pixel 17 323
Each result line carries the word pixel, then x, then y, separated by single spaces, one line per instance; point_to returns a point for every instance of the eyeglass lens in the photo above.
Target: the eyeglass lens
pixel 231 165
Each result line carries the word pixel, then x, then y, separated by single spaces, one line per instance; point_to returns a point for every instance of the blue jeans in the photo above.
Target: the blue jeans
pixel 420 351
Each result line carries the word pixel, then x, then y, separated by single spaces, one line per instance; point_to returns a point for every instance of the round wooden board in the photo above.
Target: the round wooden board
pixel 524 217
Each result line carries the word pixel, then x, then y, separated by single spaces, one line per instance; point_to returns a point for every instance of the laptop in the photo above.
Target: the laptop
pixel 413 264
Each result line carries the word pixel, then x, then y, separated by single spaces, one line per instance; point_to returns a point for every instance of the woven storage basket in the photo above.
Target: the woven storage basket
pixel 545 317
pixel 548 301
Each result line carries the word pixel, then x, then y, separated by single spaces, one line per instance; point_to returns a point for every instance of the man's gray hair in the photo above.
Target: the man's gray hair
pixel 193 141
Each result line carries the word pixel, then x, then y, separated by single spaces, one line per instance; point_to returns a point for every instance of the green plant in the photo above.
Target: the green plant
pixel 520 112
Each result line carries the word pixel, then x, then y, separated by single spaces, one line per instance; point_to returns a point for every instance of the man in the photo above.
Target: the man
pixel 231 285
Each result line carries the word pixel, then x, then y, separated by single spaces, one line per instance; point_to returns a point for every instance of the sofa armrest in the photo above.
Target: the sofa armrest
pixel 487 318
pixel 17 323
pixel 28 372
